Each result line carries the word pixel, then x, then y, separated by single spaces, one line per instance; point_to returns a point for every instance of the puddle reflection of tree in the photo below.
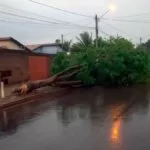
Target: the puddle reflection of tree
pixel 140 104
pixel 96 105
pixel 92 104
pixel 80 105
pixel 11 118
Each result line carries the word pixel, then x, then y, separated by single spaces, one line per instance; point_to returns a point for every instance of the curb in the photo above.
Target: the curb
pixel 31 98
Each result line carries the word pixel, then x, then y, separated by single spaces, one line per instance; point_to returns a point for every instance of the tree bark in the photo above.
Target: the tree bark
pixel 61 79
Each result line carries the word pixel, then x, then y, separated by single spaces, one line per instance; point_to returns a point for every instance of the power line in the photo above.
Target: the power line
pixel 26 17
pixel 134 15
pixel 35 23
pixel 8 7
pixel 63 10
pixel 79 14
pixel 39 15
pixel 23 22
pixel 106 33
pixel 129 21
pixel 35 19
pixel 20 21
pixel 5 19
pixel 120 30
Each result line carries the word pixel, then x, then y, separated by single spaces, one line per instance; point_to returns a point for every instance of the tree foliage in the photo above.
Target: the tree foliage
pixel 66 45
pixel 58 41
pixel 145 46
pixel 84 40
pixel 116 62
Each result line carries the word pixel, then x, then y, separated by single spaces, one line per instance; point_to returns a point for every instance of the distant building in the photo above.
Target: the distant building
pixel 12 44
pixel 46 48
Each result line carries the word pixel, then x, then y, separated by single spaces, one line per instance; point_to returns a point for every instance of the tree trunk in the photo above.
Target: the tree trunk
pixel 61 79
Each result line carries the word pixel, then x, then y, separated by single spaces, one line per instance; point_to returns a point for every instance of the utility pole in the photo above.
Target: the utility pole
pixel 91 36
pixel 96 30
pixel 62 39
pixel 140 40
pixel 117 35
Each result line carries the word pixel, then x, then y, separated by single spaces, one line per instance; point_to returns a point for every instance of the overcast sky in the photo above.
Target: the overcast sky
pixel 26 31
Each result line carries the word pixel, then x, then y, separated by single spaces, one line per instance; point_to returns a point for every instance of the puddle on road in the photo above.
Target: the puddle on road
pixel 81 120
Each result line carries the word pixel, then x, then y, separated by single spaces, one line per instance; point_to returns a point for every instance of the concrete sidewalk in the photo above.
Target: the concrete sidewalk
pixel 8 89
pixel 12 100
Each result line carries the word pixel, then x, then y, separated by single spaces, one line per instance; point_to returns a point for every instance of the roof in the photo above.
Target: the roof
pixel 36 46
pixel 33 46
pixel 15 41
pixel 13 51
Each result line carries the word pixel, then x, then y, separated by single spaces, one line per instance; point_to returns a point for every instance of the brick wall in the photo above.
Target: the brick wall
pixel 18 65
pixel 25 66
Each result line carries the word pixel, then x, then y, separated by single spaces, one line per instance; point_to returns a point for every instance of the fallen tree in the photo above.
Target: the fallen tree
pixel 61 79
pixel 116 63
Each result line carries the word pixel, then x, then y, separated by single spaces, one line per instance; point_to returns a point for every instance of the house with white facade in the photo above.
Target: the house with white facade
pixel 46 48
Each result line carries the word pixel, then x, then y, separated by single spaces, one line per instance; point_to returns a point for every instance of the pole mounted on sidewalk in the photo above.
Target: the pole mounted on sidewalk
pixel 62 39
pixel 2 90
pixel 112 8
pixel 96 30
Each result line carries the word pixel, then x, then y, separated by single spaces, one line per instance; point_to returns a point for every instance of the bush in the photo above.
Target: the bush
pixel 113 64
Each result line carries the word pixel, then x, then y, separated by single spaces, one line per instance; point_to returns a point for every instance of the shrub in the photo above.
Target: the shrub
pixel 116 63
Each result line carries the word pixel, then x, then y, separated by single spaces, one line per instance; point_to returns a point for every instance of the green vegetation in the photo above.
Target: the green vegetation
pixel 115 62
pixel 145 46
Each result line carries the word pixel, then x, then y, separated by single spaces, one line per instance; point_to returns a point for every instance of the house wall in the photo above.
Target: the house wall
pixel 17 64
pixel 10 45
pixel 25 66
pixel 50 61
pixel 49 49
pixel 38 67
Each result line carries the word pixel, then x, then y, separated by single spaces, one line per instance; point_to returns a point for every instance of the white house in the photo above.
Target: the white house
pixel 46 48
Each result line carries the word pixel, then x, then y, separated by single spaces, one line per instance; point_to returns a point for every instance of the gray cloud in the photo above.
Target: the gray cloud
pixel 34 33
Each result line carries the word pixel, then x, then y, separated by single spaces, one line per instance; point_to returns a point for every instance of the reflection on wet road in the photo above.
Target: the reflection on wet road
pixel 85 119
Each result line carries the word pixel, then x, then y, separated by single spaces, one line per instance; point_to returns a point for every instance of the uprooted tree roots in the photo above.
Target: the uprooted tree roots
pixel 62 79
